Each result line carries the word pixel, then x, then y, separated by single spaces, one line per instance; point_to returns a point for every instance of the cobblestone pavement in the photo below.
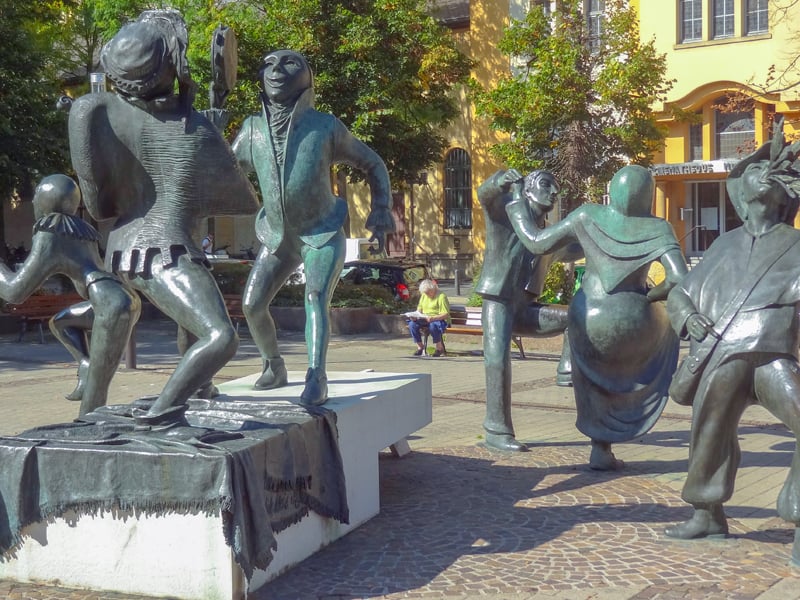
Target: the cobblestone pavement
pixel 469 522
pixel 460 521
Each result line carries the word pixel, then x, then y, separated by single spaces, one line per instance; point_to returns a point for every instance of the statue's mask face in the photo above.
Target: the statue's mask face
pixel 285 75
pixel 542 191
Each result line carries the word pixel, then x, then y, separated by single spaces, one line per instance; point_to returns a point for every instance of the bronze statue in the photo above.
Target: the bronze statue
pixel 148 160
pixel 739 310
pixel 292 147
pixel 511 281
pixel 64 243
pixel 624 351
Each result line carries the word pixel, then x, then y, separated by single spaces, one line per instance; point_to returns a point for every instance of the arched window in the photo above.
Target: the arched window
pixel 457 190
pixel 735 130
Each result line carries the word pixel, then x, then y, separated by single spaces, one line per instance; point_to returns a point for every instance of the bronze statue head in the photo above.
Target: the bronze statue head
pixel 56 194
pixel 146 57
pixel 541 191
pixel 285 75
pixel 768 175
pixel 631 191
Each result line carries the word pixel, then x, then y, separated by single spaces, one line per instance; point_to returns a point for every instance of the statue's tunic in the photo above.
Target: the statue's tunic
pixel 508 267
pixel 756 279
pixel 155 170
pixel 295 180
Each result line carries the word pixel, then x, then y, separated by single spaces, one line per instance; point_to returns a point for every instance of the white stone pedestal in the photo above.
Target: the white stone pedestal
pixel 184 555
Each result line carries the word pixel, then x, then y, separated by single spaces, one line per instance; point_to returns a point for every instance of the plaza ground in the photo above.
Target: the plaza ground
pixel 460 521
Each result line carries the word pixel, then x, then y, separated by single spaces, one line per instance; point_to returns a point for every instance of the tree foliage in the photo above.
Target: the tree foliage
pixel 577 105
pixel 384 67
pixel 786 76
pixel 32 133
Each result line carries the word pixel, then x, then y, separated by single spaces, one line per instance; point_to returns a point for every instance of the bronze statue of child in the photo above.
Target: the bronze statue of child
pixel 64 243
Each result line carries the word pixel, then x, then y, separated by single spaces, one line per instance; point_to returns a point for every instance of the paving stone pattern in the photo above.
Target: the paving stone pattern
pixel 461 521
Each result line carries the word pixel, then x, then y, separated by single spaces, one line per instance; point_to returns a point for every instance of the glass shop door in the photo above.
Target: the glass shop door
pixel 712 214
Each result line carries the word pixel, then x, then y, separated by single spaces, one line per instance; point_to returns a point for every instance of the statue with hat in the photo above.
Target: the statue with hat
pixel 155 166
pixel 739 310
pixel 292 148
pixel 64 243
pixel 623 348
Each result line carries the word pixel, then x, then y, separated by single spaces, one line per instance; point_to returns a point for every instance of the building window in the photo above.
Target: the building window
pixel 756 17
pixel 457 190
pixel 723 18
pixel 594 16
pixel 691 20
pixel 696 141
pixel 735 133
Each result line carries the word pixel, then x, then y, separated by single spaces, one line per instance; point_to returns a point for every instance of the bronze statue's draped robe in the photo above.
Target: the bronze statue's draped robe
pixel 624 350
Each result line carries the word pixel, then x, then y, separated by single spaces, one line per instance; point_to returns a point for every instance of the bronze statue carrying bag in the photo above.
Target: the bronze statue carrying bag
pixel 687 376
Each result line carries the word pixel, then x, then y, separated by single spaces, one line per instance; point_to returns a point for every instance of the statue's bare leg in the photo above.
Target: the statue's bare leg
pixel 322 268
pixel 188 294
pixel 71 327
pixel 269 273
pixel 777 387
pixel 116 311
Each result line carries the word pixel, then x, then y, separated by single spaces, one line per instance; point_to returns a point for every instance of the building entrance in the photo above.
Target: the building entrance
pixel 712 215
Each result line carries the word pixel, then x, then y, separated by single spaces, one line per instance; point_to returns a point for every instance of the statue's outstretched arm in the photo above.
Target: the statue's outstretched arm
pixel 355 153
pixel 16 287
pixel 675 269
pixel 538 241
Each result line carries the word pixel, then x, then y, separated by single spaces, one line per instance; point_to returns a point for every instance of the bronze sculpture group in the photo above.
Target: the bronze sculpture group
pixel 146 159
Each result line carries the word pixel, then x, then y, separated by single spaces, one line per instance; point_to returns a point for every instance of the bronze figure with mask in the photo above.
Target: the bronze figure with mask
pixel 64 243
pixel 292 147
pixel 623 348
pixel 151 163
pixel 510 284
pixel 739 309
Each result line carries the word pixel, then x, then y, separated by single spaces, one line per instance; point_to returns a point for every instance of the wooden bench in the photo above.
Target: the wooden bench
pixel 233 302
pixel 469 323
pixel 40 308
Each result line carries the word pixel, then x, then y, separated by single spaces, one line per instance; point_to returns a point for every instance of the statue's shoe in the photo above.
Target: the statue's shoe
pixel 603 459
pixel 174 416
pixel 316 391
pixel 564 379
pixel 274 375
pixel 76 395
pixel 703 524
pixel 208 391
pixel 505 442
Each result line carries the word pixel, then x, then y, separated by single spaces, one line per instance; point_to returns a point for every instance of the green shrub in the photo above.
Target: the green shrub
pixel 475 299
pixel 231 277
pixel 558 285
pixel 345 296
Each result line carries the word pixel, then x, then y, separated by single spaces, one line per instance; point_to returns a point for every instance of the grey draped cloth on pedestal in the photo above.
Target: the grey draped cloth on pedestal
pixel 262 466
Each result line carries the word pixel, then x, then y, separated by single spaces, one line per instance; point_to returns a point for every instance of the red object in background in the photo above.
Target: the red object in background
pixel 403 291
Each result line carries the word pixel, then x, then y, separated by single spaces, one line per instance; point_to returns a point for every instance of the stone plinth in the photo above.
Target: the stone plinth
pixel 184 555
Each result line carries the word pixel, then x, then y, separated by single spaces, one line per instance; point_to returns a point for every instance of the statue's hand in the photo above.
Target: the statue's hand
pixel 509 177
pixel 380 237
pixel 699 326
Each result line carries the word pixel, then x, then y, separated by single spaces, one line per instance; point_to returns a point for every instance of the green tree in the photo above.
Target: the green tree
pixel 578 104
pixel 32 132
pixel 386 68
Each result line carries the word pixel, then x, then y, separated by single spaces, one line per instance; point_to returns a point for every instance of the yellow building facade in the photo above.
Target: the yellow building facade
pixel 719 53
